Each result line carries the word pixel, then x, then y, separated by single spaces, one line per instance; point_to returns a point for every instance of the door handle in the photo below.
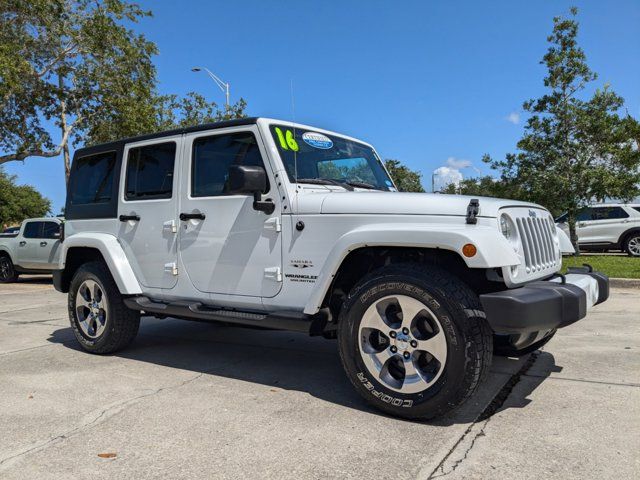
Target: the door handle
pixel 192 216
pixel 581 224
pixel 43 244
pixel 126 218
pixel 23 243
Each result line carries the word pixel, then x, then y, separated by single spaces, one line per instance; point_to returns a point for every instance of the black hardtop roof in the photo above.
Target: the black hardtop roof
pixel 167 133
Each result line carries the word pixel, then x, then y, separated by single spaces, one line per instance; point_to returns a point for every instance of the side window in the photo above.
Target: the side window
pixel 150 171
pixel 608 213
pixel 637 209
pixel 50 229
pixel 212 156
pixel 93 178
pixel 584 215
pixel 32 230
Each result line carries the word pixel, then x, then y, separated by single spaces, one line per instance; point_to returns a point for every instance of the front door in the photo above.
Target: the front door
pixel 227 247
pixel 28 246
pixel 147 210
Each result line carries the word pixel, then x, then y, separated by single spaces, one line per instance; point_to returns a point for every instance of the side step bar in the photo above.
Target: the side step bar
pixel 291 321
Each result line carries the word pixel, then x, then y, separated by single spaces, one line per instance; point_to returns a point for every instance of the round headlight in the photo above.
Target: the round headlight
pixel 505 227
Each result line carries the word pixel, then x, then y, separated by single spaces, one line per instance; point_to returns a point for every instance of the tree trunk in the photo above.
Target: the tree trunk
pixel 573 234
pixel 64 128
pixel 67 162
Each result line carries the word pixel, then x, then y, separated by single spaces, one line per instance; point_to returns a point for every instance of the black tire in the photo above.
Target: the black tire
pixel 8 272
pixel 631 244
pixel 120 324
pixel 459 312
pixel 503 345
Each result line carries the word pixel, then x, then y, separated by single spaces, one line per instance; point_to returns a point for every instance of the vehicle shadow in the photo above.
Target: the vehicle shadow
pixel 280 360
pixel 35 280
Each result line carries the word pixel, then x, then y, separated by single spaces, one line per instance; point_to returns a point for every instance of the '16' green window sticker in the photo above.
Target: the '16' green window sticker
pixel 287 140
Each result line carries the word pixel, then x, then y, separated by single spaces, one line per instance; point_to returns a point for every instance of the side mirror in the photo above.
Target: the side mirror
pixel 251 180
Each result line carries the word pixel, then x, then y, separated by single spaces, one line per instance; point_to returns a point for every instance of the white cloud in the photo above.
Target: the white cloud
pixel 450 172
pixel 444 176
pixel 514 117
pixel 458 163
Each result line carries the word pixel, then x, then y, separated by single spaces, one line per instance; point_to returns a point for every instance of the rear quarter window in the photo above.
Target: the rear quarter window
pixel 93 179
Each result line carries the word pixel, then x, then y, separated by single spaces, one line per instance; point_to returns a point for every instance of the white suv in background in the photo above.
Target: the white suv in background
pixel 607 226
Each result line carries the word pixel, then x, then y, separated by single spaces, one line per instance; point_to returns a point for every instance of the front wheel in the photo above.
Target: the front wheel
pixel 414 341
pixel 8 272
pixel 100 320
pixel 632 244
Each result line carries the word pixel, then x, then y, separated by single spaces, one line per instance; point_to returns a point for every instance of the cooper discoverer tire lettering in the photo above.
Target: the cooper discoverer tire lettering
pixel 413 340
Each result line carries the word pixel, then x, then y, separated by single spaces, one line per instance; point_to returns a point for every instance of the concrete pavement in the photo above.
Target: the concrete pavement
pixel 195 400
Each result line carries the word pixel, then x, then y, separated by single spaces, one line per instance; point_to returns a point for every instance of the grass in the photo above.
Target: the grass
pixel 615 266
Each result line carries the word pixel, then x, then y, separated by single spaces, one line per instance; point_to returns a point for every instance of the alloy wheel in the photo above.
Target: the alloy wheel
pixel 6 269
pixel 91 309
pixel 402 344
pixel 633 245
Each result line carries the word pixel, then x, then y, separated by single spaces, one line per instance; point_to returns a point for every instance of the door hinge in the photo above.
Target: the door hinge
pixel 273 273
pixel 274 224
pixel 171 268
pixel 171 226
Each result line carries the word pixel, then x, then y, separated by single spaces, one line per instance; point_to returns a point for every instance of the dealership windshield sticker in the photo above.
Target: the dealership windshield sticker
pixel 317 140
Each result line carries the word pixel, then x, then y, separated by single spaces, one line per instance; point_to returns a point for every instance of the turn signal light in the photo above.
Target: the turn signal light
pixel 469 250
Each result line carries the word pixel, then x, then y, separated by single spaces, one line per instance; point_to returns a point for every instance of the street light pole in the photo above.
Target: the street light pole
pixel 224 86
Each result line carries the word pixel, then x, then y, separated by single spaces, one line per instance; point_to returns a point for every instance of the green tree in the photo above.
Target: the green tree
pixel 18 202
pixel 574 150
pixel 406 180
pixel 72 72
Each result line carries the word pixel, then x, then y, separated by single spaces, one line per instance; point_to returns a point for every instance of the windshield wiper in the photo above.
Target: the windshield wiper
pixel 357 184
pixel 326 181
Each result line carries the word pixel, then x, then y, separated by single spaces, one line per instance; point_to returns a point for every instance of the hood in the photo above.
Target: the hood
pixel 397 203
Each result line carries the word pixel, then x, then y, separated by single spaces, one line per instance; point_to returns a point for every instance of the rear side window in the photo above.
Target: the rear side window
pixel 212 157
pixel 608 213
pixel 150 171
pixel 50 229
pixel 93 181
pixel 32 230
pixel 637 209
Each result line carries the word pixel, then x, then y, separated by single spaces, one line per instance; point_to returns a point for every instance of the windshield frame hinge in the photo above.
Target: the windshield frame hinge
pixel 473 209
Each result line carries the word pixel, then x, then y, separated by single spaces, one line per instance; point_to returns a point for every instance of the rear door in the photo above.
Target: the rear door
pixel 227 247
pixel 147 208
pixel 49 246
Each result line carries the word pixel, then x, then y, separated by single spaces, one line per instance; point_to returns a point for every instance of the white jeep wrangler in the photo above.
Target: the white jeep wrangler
pixel 271 224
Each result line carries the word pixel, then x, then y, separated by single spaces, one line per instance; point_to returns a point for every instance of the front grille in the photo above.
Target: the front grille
pixel 536 235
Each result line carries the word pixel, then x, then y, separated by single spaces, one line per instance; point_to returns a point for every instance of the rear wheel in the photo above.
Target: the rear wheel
pixel 632 244
pixel 414 341
pixel 100 320
pixel 8 272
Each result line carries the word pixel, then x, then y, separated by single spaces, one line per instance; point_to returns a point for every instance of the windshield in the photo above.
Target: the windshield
pixel 329 160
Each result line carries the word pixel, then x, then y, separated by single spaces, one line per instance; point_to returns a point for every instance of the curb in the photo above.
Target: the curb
pixel 624 282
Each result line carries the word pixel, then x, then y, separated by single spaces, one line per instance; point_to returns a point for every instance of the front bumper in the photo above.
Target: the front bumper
pixel 545 305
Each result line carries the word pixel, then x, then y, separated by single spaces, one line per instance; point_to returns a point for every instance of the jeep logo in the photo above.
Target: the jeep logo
pixel 532 213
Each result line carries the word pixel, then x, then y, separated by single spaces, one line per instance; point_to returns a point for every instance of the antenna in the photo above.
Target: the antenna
pixel 295 153
pixel 293 117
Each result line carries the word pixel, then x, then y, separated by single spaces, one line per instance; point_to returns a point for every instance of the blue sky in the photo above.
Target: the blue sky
pixel 430 83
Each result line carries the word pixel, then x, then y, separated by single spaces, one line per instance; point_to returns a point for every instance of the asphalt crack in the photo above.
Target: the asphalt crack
pixel 477 428
pixel 95 419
